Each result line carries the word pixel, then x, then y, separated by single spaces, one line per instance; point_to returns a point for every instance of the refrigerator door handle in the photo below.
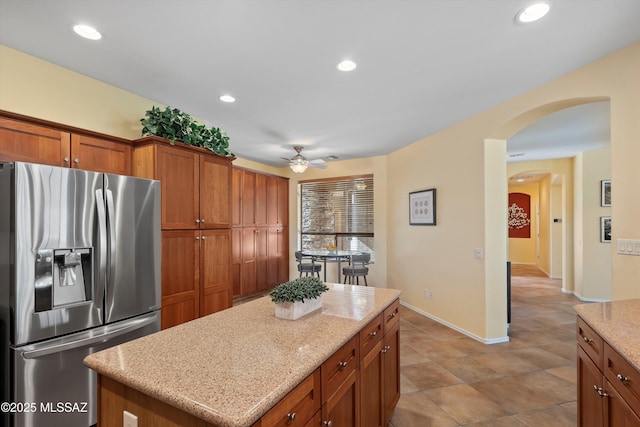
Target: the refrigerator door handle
pixel 102 248
pixel 85 342
pixel 113 244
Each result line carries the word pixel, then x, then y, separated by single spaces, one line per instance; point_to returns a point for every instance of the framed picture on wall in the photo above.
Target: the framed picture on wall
pixel 605 229
pixel 605 192
pixel 422 207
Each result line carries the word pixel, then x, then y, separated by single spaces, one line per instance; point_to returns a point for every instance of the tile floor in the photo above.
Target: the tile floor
pixel 449 379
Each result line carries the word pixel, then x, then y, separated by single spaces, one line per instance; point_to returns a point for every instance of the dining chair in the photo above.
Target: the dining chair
pixel 307 267
pixel 357 269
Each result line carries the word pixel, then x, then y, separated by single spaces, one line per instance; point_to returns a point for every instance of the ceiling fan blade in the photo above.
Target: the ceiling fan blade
pixel 316 161
pixel 317 165
pixel 285 158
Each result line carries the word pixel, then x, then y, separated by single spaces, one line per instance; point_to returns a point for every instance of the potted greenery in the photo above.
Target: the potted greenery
pixel 175 125
pixel 298 297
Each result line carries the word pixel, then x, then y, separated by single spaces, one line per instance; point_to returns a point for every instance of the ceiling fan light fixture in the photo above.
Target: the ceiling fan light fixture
pixel 299 166
pixel 227 98
pixel 533 12
pixel 87 32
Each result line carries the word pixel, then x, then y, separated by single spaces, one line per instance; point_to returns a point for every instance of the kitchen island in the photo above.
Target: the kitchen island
pixel 230 369
pixel 608 363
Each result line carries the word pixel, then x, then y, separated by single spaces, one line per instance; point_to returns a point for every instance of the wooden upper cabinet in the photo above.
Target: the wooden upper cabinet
pixel 100 155
pixel 215 192
pixel 283 202
pixel 272 198
pixel 248 198
pixel 236 197
pixel 178 175
pixel 25 142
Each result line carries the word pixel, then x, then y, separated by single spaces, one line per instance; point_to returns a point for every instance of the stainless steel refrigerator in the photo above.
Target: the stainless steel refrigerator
pixel 79 272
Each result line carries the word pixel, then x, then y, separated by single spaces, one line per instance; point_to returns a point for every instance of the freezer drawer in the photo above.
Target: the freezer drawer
pixel 51 378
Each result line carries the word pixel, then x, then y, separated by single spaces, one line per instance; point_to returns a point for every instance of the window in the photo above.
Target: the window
pixel 337 212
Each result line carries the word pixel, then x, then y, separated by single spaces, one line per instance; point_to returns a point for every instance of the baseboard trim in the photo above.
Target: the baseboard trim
pixel 454 327
pixel 584 299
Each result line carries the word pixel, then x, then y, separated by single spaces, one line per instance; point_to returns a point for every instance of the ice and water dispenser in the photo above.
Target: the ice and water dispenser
pixel 63 277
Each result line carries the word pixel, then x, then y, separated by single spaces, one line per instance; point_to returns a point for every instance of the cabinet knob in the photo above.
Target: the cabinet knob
pixel 328 423
pixel 622 378
pixel 587 339
pixel 197 237
pixel 202 220
pixel 197 221
pixel 204 237
pixel 76 160
pixel 392 315
pixel 291 416
pixel 385 349
pixel 374 333
pixel 66 160
pixel 342 365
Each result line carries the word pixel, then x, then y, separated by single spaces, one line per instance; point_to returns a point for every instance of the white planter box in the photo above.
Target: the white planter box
pixel 297 309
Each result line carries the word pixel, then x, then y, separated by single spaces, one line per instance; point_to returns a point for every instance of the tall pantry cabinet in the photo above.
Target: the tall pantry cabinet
pixel 260 231
pixel 196 226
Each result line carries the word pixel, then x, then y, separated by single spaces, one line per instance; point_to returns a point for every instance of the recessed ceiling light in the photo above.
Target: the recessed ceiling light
pixel 227 98
pixel 87 32
pixel 533 12
pixel 346 65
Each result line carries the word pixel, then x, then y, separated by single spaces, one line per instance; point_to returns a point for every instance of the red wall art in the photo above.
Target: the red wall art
pixel 519 215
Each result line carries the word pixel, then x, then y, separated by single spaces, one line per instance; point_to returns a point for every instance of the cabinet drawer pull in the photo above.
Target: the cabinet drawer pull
pixel 600 391
pixel 587 339
pixel 386 348
pixel 622 378
pixel 374 333
pixel 291 416
pixel 342 365
pixel 392 315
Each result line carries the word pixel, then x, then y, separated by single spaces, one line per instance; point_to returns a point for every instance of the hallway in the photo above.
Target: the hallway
pixel 449 379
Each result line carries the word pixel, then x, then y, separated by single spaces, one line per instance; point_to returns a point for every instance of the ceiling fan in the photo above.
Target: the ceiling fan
pixel 299 163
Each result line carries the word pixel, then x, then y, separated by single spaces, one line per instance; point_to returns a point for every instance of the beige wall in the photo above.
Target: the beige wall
pixel 556 227
pixel 469 293
pixel 524 250
pixel 593 258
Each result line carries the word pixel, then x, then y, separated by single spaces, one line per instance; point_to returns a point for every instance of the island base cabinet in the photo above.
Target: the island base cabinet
pixel 341 409
pixel 591 413
pixel 114 398
pixel 391 372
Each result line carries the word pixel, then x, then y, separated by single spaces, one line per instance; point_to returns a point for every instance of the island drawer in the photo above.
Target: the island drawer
pixel 370 335
pixel 297 407
pixel 337 368
pixel 590 342
pixel 391 316
pixel 622 376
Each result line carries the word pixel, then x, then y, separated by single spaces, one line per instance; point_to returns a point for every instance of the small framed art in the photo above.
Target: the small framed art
pixel 605 192
pixel 422 207
pixel 605 229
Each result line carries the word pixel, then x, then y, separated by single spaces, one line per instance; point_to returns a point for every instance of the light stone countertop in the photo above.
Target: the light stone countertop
pixel 618 323
pixel 231 367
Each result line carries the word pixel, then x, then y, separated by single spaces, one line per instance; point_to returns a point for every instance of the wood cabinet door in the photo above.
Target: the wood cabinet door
pixel 100 155
pixel 23 142
pixel 341 408
pixel 248 198
pixel 215 277
pixel 236 261
pixel 591 404
pixel 272 258
pixel 618 412
pixel 283 255
pixel 215 192
pixel 236 197
pixel 260 200
pixel 371 370
pixel 180 277
pixel 262 258
pixel 283 202
pixel 391 371
pixel 272 201
pixel 249 284
pixel 178 174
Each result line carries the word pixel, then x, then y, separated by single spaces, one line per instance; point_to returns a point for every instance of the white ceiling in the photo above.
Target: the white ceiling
pixel 422 65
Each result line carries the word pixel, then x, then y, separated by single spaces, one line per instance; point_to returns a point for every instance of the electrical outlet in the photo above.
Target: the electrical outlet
pixel 129 420
pixel 426 293
pixel 430 294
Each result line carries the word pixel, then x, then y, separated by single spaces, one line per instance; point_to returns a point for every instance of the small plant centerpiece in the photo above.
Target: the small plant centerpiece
pixel 298 297
pixel 175 125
